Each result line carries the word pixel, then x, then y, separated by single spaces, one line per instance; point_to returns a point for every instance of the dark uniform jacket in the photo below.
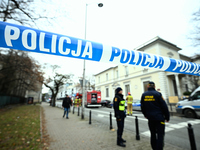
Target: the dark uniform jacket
pixel 116 101
pixel 67 102
pixel 153 106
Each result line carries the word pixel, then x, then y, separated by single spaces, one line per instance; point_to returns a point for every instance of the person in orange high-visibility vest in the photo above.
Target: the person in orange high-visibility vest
pixel 129 99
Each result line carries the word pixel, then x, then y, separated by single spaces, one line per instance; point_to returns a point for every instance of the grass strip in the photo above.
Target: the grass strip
pixel 20 128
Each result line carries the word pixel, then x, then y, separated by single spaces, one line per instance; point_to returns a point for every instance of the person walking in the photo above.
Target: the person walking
pixel 156 111
pixel 120 114
pixel 66 105
pixel 129 99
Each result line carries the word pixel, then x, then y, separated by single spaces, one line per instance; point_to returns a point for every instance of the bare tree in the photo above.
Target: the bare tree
pixel 55 83
pixel 19 73
pixel 22 11
pixel 195 37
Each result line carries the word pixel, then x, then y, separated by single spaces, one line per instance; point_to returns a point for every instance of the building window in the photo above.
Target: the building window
pixel 106 76
pixel 99 80
pixel 127 88
pixel 126 70
pixel 170 54
pixel 107 92
pixel 117 75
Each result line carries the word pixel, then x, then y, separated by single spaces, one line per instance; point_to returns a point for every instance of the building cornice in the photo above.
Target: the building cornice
pixel 128 78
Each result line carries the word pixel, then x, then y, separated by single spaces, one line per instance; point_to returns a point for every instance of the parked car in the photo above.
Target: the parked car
pixel 190 107
pixel 48 100
pixel 110 105
pixel 105 103
pixel 136 105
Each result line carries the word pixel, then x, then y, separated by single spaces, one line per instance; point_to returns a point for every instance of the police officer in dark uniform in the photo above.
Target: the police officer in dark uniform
pixel 119 107
pixel 156 111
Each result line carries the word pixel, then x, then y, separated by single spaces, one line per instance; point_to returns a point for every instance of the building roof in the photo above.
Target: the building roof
pixel 184 56
pixel 156 39
pixel 105 70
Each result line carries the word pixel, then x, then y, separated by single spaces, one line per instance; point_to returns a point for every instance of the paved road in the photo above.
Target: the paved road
pixel 176 129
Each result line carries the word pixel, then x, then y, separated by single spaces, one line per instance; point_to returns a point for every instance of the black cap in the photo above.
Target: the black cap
pixel 118 89
pixel 151 83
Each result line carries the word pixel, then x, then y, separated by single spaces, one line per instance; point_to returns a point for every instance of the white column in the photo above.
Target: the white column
pixel 178 85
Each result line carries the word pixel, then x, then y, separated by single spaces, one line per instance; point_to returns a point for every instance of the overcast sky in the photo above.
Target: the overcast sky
pixel 121 23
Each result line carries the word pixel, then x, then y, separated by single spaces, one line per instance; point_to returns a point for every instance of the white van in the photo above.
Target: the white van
pixel 190 107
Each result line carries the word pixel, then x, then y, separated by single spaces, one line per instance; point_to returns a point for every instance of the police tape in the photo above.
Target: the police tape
pixel 33 40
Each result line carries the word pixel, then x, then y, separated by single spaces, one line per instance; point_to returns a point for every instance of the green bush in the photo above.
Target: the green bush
pixel 187 93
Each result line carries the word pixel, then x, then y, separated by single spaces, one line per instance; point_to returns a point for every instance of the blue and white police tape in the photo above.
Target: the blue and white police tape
pixel 29 39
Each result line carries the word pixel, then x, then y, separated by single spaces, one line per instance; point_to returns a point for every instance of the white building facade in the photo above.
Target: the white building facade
pixel 135 79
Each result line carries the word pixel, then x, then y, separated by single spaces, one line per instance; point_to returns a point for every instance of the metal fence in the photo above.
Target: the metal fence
pixel 7 100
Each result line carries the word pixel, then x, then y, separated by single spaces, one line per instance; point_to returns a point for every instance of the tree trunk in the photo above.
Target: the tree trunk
pixel 53 100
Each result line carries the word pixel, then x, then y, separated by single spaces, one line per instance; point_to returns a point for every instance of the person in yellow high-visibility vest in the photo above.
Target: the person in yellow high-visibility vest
pixel 76 102
pixel 129 99
pixel 80 102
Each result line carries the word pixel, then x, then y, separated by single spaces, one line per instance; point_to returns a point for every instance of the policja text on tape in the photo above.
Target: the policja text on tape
pixel 29 39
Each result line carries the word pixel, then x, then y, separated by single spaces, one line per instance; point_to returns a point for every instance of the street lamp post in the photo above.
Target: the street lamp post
pixel 83 92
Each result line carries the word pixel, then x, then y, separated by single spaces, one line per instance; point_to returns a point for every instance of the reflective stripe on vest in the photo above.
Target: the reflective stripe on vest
pixel 130 99
pixel 122 105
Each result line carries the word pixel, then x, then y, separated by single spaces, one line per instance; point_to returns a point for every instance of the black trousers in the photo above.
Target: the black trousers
pixel 120 129
pixel 157 129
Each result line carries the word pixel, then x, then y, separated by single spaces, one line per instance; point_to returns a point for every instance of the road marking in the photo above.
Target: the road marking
pixel 138 115
pixel 167 129
pixel 143 119
pixel 194 121
pixel 113 118
pixel 171 127
pixel 146 133
pixel 108 115
pixel 99 115
pixel 112 112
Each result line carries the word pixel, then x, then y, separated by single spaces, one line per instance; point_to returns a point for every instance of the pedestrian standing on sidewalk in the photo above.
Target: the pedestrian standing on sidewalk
pixel 129 99
pixel 120 114
pixel 66 105
pixel 156 111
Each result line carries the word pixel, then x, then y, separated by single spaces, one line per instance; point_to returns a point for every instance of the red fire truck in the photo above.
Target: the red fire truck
pixel 93 99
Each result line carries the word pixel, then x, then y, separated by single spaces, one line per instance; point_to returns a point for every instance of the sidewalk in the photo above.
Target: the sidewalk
pixel 77 134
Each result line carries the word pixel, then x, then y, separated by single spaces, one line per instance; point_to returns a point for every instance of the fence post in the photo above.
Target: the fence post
pixel 191 137
pixel 171 109
pixel 90 115
pixel 137 128
pixel 111 127
pixel 78 110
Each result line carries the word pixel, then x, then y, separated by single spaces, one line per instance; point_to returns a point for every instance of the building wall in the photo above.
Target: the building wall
pixel 165 51
pixel 136 76
pixel 135 82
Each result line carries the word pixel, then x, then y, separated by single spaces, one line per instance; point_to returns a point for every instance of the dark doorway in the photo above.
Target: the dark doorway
pixel 145 85
pixel 175 88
